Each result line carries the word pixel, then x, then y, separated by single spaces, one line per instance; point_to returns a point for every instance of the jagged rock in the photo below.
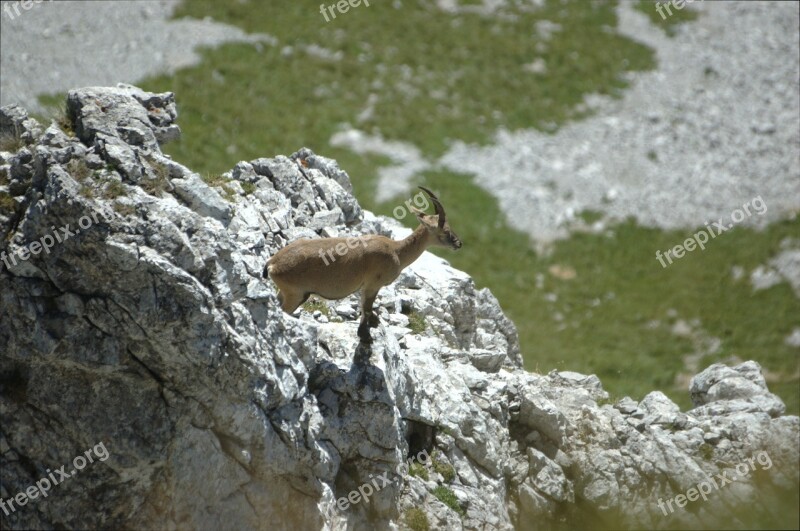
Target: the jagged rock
pixel 720 382
pixel 152 331
pixel 138 118
pixel 202 198
pixel 15 122
pixel 548 477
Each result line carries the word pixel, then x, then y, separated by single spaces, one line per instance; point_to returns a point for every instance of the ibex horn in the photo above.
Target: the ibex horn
pixel 437 205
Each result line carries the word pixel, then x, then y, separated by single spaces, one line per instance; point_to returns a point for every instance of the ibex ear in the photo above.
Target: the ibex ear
pixel 419 213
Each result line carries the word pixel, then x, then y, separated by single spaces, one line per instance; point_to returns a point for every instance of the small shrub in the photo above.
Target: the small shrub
pixel 418 471
pixel 114 189
pixel 11 142
pixel 78 169
pixel 228 194
pixel 159 182
pixel 610 400
pixel 61 117
pixel 214 180
pixel 153 187
pixel 447 471
pixel 417 520
pixel 248 188
pixel 3 177
pixel 416 322
pixel 124 209
pixel 313 304
pixel 87 191
pixel 448 497
pixel 220 181
pixel 161 171
pixel 7 203
pixel 706 451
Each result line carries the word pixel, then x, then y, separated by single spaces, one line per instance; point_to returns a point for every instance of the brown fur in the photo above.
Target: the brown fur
pixel 369 263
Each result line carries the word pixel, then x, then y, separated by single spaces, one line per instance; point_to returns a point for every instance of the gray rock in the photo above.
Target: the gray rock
pixel 548 477
pixel 14 122
pixel 743 383
pixel 152 332
pixel 627 405
pixel 487 360
pixel 124 112
pixel 202 198
pixel 658 409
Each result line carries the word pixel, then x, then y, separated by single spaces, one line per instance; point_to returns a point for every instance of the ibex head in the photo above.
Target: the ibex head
pixel 436 224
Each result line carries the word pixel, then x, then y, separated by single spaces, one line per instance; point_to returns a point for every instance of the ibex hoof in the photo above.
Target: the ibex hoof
pixel 363 334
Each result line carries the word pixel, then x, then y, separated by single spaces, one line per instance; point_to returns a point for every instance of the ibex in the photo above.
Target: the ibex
pixel 367 262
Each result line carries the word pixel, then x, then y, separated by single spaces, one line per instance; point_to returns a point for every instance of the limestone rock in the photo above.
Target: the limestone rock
pixel 147 327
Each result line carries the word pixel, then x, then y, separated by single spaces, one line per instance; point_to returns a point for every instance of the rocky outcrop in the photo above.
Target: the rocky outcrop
pixel 133 315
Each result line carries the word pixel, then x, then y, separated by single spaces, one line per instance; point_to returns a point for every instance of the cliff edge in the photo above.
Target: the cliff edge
pixel 133 318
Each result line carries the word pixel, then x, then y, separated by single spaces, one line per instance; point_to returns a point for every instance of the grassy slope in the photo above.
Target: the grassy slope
pixel 668 19
pixel 440 77
pixel 619 309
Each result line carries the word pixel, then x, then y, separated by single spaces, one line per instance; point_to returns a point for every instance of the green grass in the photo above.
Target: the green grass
pixel 11 142
pixel 78 169
pixel 447 471
pixel 419 471
pixel 446 430
pixel 114 189
pixel 124 210
pixel 221 182
pixel 56 111
pixel 448 497
pixel 465 83
pixel 620 289
pixel 7 204
pixel 416 322
pixel 214 179
pixel 416 519
pixel 668 20
pixel 314 304
pixel 610 401
pixel 110 188
pixel 590 216
pixel 87 191
pixel 706 451
pixel 159 182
